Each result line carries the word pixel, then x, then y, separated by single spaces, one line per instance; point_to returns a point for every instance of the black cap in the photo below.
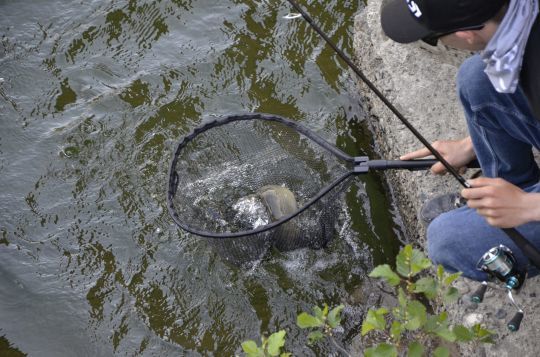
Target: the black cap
pixel 406 21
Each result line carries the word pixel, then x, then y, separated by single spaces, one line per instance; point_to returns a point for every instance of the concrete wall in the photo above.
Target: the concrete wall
pixel 420 81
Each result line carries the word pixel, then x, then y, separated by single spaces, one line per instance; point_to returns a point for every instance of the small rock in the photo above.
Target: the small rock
pixel 472 319
pixel 501 314
pixel 357 297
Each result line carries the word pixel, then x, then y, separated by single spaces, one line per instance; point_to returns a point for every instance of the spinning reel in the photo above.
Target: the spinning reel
pixel 500 264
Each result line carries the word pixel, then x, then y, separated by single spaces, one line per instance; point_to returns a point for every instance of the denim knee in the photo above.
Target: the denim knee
pixel 439 239
pixel 452 246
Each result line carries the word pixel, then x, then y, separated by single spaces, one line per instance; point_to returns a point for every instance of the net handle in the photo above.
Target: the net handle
pixel 362 165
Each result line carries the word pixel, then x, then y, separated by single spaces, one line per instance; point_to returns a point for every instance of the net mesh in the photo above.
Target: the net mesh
pixel 313 228
pixel 237 176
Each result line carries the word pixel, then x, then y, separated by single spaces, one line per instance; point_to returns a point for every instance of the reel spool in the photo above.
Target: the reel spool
pixel 500 263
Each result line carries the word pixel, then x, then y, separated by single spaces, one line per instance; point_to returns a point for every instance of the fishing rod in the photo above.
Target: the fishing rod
pixel 528 249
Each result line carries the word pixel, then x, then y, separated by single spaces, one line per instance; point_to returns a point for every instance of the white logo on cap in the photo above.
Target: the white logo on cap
pixel 414 8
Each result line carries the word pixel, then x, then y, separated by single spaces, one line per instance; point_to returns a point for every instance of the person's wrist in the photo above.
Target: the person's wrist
pixel 468 148
pixel 532 206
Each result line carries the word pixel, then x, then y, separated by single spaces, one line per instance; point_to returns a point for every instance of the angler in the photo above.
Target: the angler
pixel 498 89
pixel 398 17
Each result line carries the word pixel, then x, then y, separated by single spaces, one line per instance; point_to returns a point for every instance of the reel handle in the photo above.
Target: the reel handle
pixel 478 295
pixel 514 324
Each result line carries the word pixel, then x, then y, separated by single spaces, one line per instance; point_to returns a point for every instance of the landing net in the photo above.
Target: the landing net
pixel 252 176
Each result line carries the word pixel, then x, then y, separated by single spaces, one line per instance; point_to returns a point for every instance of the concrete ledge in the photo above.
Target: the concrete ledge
pixel 420 81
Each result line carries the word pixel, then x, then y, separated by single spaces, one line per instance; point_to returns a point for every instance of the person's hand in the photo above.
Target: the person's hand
pixel 458 153
pixel 501 203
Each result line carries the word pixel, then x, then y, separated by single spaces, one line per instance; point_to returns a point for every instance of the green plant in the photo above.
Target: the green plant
pixel 270 346
pixel 409 325
pixel 323 321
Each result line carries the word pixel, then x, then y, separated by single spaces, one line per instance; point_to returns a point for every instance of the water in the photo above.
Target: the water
pixel 94 96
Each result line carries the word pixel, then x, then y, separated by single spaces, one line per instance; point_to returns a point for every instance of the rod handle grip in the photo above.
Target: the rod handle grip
pixel 514 324
pixel 478 295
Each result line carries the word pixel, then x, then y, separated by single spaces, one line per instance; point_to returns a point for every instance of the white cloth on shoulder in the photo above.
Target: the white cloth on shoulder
pixel 504 52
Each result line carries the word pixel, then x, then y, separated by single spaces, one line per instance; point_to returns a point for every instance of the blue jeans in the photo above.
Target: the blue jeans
pixel 503 131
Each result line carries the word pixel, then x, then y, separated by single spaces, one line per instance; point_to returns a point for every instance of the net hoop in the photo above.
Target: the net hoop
pixel 173 175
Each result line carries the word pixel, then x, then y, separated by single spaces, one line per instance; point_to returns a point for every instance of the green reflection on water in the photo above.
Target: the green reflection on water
pixel 67 96
pixel 136 94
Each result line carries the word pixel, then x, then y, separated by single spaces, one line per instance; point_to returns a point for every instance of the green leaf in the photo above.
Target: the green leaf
pixel 315 336
pixel 374 320
pixel 382 350
pixel 451 278
pixel 419 262
pixel 334 317
pixel 285 354
pixel 275 342
pixel 305 320
pixel 403 259
pixel 427 286
pixel 438 325
pixel 415 349
pixel 402 298
pixel 451 296
pixel 395 331
pixel 250 348
pixel 385 271
pixel 325 310
pixel 440 272
pixel 445 333
pixel 416 315
pixel 441 352
pixel 400 311
pixel 463 334
pixel 410 262
pixel 482 335
pixel 319 314
pixel 431 324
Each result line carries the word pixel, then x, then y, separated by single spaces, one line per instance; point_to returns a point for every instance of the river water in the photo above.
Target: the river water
pixel 94 96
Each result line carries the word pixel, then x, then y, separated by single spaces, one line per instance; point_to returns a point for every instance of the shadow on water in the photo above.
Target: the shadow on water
pixel 94 96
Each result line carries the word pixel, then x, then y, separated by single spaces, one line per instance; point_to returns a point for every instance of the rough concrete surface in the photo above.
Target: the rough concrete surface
pixel 420 81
